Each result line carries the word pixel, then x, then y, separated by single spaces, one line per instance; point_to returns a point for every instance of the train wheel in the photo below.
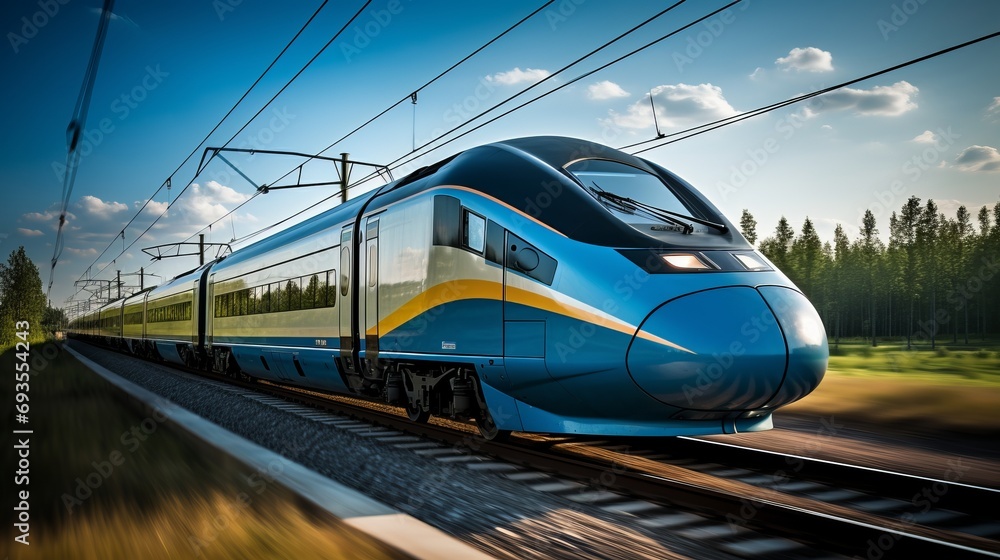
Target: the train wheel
pixel 417 414
pixel 488 428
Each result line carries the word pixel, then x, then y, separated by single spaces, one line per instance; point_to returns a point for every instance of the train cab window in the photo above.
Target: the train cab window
pixel 473 231
pixel 610 182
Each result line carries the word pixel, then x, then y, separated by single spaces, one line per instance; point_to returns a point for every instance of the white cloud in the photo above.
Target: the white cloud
pixel 809 59
pixel 517 76
pixel 97 207
pixel 925 137
pixel 605 90
pixel 88 252
pixel 984 159
pixel 29 232
pixel 50 215
pixel 153 207
pixel 758 72
pixel 885 101
pixel 202 204
pixel 676 105
pixel 994 108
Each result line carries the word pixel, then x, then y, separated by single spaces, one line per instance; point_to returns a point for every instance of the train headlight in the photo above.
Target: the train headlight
pixel 687 261
pixel 751 261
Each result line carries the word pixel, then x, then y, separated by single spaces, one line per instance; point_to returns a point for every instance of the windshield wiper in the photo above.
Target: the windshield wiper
pixel 630 206
pixel 659 213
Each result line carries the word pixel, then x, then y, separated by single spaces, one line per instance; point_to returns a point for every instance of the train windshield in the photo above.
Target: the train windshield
pixel 633 195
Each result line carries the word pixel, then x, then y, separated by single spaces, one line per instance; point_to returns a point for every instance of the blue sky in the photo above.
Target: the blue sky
pixel 169 74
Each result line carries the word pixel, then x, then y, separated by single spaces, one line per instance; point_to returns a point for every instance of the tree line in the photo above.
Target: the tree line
pixel 937 279
pixel 22 299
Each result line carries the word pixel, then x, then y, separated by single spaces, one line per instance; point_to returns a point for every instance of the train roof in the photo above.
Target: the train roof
pixel 523 173
pixel 530 174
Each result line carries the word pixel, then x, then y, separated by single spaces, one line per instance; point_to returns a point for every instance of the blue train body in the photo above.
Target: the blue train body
pixel 541 284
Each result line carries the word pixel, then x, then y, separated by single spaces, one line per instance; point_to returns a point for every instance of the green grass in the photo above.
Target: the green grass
pixel 946 364
pixel 168 497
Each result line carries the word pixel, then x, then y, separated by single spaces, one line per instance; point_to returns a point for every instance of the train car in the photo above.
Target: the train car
pixel 133 323
pixel 541 284
pixel 173 330
pixel 278 309
pixel 109 326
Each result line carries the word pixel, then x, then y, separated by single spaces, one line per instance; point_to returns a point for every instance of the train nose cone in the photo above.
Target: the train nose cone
pixel 805 337
pixel 721 349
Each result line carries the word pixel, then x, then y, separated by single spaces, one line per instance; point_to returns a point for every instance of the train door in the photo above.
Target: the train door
pixel 347 347
pixel 524 322
pixel 370 289
pixel 526 270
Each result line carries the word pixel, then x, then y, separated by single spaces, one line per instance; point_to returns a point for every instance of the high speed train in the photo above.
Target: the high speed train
pixel 541 284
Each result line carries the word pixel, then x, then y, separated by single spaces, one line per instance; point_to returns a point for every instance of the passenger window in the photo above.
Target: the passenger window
pixel 474 228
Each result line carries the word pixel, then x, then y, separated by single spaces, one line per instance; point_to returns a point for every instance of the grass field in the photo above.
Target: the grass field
pixel 97 493
pixel 948 389
pixel 947 364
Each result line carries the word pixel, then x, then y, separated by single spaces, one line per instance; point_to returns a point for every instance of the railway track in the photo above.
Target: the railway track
pixel 701 488
pixel 843 508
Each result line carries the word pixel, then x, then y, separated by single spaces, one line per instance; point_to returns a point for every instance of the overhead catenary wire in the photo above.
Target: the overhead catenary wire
pixel 283 88
pixel 396 163
pixel 76 127
pixel 701 129
pixel 246 93
pixel 411 97
pixel 560 71
pixel 598 49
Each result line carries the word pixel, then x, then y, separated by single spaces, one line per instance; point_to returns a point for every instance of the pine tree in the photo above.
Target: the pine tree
pixel 905 237
pixel 21 296
pixel 807 253
pixel 776 248
pixel 748 226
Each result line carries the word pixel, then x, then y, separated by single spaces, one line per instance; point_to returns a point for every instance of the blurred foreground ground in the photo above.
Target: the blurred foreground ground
pixel 107 483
